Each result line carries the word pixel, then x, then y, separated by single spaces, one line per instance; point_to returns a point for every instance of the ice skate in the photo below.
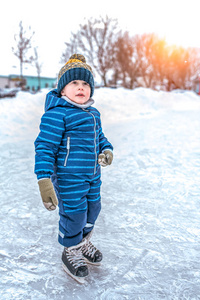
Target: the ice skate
pixel 91 254
pixel 74 263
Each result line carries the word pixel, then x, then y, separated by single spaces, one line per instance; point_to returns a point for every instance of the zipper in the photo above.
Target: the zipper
pixel 68 148
pixel 95 145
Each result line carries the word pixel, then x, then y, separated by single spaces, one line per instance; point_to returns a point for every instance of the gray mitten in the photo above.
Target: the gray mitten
pixel 105 158
pixel 48 194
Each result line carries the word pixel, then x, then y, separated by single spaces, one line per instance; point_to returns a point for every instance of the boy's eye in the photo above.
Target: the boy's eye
pixel 85 83
pixel 74 82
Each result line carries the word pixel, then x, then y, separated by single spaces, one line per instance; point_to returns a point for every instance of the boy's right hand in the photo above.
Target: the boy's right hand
pixel 48 194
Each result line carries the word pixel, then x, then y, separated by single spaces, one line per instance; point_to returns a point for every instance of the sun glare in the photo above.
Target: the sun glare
pixel 176 21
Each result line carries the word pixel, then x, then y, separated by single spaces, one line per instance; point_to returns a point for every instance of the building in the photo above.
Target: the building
pixel 196 85
pixel 4 82
pixel 32 83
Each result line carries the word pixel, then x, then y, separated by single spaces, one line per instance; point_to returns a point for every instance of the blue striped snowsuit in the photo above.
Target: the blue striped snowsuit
pixel 67 150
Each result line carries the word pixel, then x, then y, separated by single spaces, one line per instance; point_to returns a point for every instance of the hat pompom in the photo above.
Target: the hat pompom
pixel 78 57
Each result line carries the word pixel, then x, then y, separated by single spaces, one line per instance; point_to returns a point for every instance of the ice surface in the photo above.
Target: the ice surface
pixel 149 226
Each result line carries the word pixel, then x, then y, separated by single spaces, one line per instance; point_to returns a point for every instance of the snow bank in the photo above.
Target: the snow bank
pixel 22 114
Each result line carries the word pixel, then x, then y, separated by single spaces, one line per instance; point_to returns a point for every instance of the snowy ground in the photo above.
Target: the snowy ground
pixel 149 226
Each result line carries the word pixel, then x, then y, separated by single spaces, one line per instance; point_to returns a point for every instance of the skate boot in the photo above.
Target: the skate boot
pixel 90 252
pixel 74 263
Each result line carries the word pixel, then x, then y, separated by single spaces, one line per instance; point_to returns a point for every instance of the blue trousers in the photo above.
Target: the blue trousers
pixel 79 206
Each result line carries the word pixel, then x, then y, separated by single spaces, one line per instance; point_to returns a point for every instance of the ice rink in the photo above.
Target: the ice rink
pixel 149 226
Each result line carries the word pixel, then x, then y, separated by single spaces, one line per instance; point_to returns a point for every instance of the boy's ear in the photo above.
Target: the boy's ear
pixel 62 92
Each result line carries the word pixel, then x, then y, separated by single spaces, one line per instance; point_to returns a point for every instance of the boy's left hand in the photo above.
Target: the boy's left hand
pixel 105 158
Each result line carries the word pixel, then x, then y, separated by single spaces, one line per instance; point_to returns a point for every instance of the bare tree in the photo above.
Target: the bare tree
pixel 172 66
pixel 156 57
pixel 145 55
pixel 135 59
pixel 38 66
pixel 125 66
pixel 128 58
pixel 71 48
pixel 95 40
pixel 140 54
pixel 194 54
pixel 23 45
pixel 178 68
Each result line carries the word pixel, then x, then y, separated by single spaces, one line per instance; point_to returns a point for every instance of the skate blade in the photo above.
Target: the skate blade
pixel 92 263
pixel 80 280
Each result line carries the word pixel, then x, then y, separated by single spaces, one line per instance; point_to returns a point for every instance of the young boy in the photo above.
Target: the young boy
pixel 69 151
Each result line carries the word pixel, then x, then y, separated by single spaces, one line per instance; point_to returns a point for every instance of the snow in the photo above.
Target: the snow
pixel 149 226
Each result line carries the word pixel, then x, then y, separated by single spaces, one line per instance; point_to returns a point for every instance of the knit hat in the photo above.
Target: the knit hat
pixel 75 69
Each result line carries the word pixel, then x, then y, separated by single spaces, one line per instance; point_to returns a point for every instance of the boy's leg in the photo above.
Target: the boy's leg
pixel 93 202
pixel 73 210
pixel 90 252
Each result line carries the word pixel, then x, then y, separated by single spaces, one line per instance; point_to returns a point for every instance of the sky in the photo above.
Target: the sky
pixel 53 21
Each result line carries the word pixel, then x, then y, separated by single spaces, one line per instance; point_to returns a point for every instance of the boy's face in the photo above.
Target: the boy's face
pixel 77 91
